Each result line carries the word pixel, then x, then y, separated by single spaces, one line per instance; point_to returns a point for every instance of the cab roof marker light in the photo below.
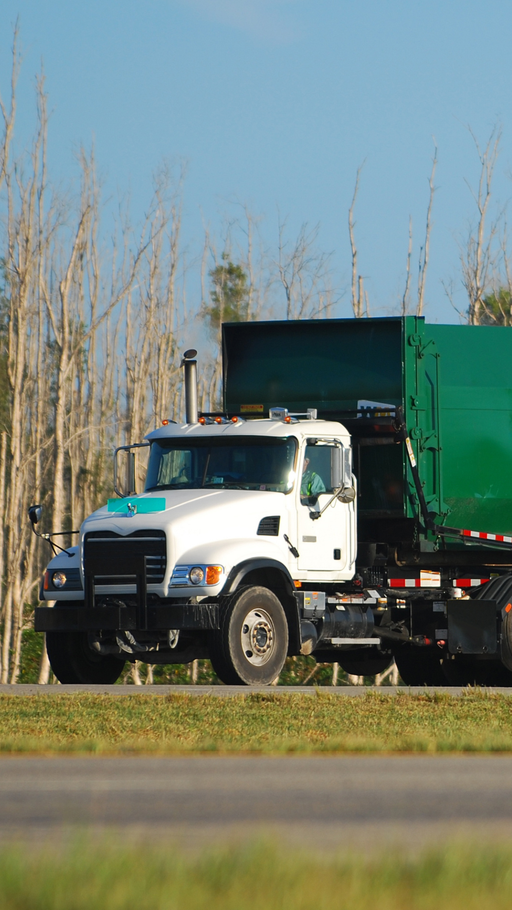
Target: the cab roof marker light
pixel 286 415
pixel 202 420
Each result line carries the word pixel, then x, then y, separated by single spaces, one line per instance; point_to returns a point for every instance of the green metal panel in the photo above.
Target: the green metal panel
pixel 328 363
pixel 462 421
pixel 454 383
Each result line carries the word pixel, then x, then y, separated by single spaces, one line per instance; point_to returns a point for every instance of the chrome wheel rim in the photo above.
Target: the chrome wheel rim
pixel 258 637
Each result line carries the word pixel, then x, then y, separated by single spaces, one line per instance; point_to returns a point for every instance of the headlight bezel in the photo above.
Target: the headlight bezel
pixel 205 576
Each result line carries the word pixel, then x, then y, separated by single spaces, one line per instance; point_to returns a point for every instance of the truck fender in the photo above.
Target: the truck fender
pixel 272 574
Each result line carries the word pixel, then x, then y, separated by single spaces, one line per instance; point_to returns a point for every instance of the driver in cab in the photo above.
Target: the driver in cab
pixel 311 483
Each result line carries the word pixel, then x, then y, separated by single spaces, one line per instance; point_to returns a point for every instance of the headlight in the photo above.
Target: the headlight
pixel 58 579
pixel 196 575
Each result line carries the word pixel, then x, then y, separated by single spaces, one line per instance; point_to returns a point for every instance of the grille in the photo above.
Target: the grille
pixel 269 526
pixel 151 544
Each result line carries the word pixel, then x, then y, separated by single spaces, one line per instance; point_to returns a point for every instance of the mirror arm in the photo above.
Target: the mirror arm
pixel 335 495
pixel 54 546
pixel 315 515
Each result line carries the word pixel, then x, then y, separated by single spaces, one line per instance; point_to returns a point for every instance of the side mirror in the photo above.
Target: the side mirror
pixel 34 513
pixel 348 494
pixel 130 474
pixel 128 469
pixel 336 467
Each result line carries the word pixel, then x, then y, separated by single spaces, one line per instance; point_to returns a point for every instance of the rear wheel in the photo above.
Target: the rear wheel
pixel 251 645
pixel 74 661
pixel 365 661
pixel 465 671
pixel 490 672
pixel 420 667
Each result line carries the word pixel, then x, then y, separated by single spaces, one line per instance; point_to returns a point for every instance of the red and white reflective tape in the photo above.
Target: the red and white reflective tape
pixel 482 535
pixel 469 582
pixel 413 583
pixel 404 583
pixel 430 583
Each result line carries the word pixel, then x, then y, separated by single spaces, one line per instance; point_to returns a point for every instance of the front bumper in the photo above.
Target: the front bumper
pixel 114 617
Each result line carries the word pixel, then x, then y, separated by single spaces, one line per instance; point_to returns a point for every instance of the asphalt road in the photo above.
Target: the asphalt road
pixel 323 802
pixel 227 691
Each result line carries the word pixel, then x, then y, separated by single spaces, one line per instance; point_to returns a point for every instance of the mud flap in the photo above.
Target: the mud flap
pixel 472 626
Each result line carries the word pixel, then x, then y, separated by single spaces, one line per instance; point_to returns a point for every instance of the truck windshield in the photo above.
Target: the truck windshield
pixel 245 464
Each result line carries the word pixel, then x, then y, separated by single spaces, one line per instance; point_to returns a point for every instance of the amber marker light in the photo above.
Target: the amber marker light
pixel 234 420
pixel 165 423
pixel 287 419
pixel 202 420
pixel 298 584
pixel 218 420
pixel 213 574
pixel 46 581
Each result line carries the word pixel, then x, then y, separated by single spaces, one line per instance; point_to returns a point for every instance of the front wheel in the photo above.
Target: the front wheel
pixel 74 661
pixel 251 645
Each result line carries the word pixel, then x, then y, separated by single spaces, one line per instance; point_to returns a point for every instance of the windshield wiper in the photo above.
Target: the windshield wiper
pixel 224 485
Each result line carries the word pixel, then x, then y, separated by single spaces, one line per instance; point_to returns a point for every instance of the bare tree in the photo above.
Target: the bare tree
pixel 425 250
pixel 424 254
pixel 359 297
pixel 479 255
pixel 9 114
pixel 304 274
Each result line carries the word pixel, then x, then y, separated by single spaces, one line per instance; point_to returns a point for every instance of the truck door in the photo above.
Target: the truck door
pixel 324 544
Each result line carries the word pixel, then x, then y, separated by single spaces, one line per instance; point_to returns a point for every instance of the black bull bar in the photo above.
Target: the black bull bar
pixel 128 564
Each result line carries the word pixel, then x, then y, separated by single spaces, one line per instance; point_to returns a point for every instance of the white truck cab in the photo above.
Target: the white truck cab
pixel 233 511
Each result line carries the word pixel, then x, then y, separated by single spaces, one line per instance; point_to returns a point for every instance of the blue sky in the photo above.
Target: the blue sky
pixel 276 103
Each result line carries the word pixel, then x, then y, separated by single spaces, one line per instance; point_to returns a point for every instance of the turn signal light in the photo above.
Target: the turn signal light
pixel 213 574
pixel 46 581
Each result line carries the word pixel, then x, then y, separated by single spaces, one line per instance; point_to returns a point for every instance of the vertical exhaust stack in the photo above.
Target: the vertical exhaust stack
pixel 190 365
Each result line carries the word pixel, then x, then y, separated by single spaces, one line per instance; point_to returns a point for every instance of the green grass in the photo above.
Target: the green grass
pixel 273 722
pixel 259 876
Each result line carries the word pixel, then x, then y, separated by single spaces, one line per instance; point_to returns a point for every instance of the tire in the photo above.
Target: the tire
pixel 251 645
pixel 463 671
pixel 420 667
pixel 73 660
pixel 365 661
pixel 500 590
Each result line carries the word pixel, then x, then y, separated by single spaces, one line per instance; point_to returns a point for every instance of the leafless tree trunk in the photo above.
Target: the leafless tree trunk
pixel 425 251
pixel 358 297
pixel 478 256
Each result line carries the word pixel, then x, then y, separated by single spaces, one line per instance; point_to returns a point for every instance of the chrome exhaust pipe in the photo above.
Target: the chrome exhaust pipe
pixel 190 365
